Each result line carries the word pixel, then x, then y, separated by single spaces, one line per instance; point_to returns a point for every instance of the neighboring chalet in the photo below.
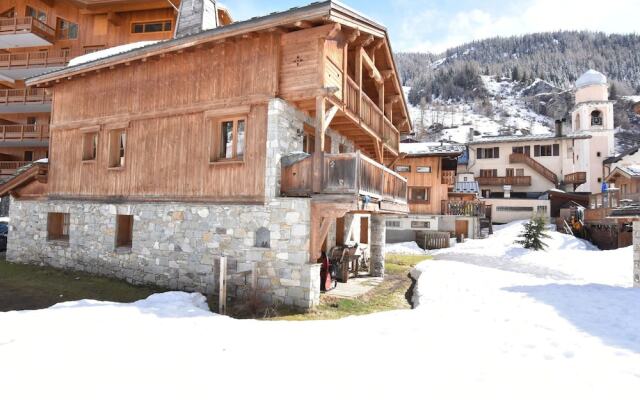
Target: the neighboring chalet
pixel 439 201
pixel 40 36
pixel 515 172
pixel 248 141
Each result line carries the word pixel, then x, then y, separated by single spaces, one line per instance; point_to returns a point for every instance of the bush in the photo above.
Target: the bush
pixel 533 234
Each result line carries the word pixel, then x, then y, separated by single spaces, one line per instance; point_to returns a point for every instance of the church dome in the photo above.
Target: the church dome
pixel 591 77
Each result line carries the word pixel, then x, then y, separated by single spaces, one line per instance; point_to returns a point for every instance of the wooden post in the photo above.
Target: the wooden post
pixel 318 155
pixel 222 295
pixel 358 54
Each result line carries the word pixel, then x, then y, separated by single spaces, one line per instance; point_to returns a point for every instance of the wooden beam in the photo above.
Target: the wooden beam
pixel 330 114
pixel 370 65
pixel 387 74
pixel 358 54
pixel 318 155
pixel 303 24
pixel 367 40
pixel 353 36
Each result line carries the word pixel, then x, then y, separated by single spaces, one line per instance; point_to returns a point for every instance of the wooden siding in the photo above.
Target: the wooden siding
pixel 433 180
pixel 299 66
pixel 168 141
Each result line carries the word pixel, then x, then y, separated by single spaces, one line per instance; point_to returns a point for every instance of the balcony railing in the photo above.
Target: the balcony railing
pixel 35 59
pixel 504 180
pixel 520 158
pixel 577 178
pixel 9 26
pixel 9 167
pixel 17 133
pixel 24 96
pixel 347 173
pixel 370 115
pixel 448 178
pixel 464 208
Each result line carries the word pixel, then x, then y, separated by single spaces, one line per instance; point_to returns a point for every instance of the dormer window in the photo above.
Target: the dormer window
pixel 596 118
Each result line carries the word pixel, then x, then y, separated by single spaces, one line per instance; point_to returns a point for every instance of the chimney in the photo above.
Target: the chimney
pixel 559 127
pixel 196 16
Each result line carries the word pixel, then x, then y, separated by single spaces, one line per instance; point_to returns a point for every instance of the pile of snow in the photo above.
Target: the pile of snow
pixel 111 51
pixel 408 248
pixel 494 321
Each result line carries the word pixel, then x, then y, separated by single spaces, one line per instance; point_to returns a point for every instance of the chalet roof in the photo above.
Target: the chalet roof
pixel 630 171
pixel 23 175
pixel 467 187
pixel 527 138
pixel 621 156
pixel 432 149
pixel 323 12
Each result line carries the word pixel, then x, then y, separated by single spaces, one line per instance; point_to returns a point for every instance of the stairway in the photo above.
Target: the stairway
pixel 519 158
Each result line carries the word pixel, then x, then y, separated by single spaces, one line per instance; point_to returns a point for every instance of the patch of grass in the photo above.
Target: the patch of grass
pixel 26 287
pixel 392 294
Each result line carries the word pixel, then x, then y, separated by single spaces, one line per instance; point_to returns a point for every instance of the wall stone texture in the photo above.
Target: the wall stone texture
pixel 636 254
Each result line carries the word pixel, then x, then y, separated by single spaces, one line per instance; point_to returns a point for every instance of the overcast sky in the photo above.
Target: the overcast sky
pixel 435 25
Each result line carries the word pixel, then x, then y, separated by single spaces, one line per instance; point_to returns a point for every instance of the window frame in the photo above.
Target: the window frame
pixel 61 220
pixel 215 142
pixel 115 135
pixel 59 29
pixel 126 242
pixel 424 169
pixel 87 132
pixel 151 22
pixel 427 195
pixel 398 169
pixel 488 153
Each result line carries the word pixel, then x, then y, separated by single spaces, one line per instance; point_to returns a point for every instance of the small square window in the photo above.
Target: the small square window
pixel 423 170
pixel 419 195
pixel 228 139
pixel 58 226
pixel 117 148
pixel 403 168
pixel 124 231
pixel 89 146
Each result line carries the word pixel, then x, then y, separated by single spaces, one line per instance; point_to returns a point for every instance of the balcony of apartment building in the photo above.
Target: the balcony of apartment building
pixel 612 204
pixel 22 65
pixel 466 208
pixel 27 100
pixel 16 32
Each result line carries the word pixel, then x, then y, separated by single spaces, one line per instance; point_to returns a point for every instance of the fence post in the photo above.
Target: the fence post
pixel 222 295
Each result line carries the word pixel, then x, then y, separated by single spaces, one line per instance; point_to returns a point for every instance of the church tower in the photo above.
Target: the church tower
pixel 593 116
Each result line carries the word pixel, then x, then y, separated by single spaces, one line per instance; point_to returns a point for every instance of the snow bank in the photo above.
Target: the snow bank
pixel 408 248
pixel 111 51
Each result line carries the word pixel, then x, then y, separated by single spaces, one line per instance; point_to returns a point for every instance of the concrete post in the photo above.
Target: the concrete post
pixel 636 254
pixel 378 238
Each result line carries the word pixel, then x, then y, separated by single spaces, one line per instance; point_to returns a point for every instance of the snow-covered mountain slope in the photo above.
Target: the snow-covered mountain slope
pixel 504 113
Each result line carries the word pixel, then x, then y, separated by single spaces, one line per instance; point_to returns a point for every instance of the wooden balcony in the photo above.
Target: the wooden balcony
pixel 21 133
pixel 448 178
pixel 464 208
pixel 36 59
pixel 25 32
pixel 612 204
pixel 504 180
pixel 351 174
pixel 576 179
pixel 8 168
pixel 519 158
pixel 24 96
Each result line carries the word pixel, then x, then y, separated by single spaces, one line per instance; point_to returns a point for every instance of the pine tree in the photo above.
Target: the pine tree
pixel 533 234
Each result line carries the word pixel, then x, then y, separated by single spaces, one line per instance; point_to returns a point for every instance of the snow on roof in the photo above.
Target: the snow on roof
pixel 526 138
pixel 591 77
pixel 466 187
pixel 431 148
pixel 111 51
pixel 633 170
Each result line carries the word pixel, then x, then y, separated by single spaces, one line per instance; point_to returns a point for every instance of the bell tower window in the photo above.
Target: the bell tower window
pixel 577 123
pixel 596 118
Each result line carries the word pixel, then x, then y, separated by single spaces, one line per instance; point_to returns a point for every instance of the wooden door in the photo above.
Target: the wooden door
pixel 340 231
pixel 364 230
pixel 462 227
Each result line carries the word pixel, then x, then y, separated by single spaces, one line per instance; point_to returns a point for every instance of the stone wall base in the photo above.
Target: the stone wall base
pixel 178 245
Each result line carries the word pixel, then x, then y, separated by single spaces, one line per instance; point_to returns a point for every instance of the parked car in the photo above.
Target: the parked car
pixel 4 231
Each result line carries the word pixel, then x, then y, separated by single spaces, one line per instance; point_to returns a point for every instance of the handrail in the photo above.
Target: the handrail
pixel 21 24
pixel 576 177
pixel 24 96
pixel 504 180
pixel 24 132
pixel 34 58
pixel 535 165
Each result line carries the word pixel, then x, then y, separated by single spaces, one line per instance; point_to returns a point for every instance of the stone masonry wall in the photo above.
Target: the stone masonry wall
pixel 177 245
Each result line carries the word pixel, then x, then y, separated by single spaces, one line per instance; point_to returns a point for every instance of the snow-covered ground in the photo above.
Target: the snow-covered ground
pixel 408 248
pixel 493 322
pixel 510 114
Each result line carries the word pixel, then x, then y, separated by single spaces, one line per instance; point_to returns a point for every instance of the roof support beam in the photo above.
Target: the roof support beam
pixel 370 65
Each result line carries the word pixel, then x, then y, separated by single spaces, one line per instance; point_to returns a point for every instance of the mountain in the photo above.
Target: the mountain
pixel 537 71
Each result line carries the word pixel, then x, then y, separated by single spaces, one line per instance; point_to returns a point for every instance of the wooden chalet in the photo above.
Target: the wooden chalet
pixel 205 119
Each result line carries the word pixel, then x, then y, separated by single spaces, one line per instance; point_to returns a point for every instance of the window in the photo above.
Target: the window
pixel 420 224
pixel 514 209
pixel 11 13
pixel 486 193
pixel 522 150
pixel 92 49
pixel 393 224
pixel 403 168
pixel 423 170
pixel 599 154
pixel 89 146
pixel 151 27
pixel 596 118
pixel 419 194
pixel 488 173
pixel 546 150
pixel 36 14
pixel 124 231
pixel 28 156
pixel 492 152
pixel 31 120
pixel 228 139
pixel 263 238
pixel 577 122
pixel 520 172
pixel 58 226
pixel 66 29
pixel 117 148
pixel 510 172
